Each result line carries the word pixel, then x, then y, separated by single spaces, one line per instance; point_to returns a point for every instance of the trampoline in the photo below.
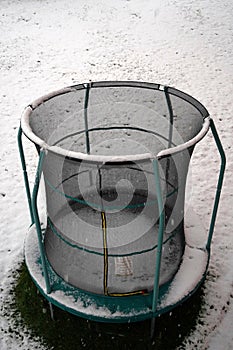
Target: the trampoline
pixel 112 241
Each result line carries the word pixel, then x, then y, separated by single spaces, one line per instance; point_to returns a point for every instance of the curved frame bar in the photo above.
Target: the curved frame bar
pixel 113 159
pixel 186 145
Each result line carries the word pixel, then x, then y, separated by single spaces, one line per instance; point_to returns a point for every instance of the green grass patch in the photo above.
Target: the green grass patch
pixel 69 332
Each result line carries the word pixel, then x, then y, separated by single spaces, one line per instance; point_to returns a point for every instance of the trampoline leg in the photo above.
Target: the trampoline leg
pixel 152 328
pixel 51 311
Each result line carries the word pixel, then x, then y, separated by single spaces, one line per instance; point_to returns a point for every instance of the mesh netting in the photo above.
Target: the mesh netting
pixel 102 231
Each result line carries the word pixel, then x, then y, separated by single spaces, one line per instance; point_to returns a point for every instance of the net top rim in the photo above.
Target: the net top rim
pixel 25 122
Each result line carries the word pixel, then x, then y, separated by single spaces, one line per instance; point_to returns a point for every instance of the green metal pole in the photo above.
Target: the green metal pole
pixel 160 241
pixel 171 116
pixel 88 86
pixel 219 185
pixel 25 175
pixel 37 220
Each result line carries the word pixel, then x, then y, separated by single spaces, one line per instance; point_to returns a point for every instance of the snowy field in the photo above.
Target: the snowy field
pixel 188 44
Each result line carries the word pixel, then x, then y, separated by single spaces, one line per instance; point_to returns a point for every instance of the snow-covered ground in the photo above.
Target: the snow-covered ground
pixel 46 45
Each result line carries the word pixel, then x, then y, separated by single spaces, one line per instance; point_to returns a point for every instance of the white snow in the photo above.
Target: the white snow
pixel 191 271
pixel 47 45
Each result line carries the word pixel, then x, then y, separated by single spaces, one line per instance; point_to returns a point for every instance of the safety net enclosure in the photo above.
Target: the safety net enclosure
pixel 116 244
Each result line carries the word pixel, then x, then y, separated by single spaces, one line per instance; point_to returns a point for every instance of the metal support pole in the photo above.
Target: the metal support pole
pixel 219 185
pixel 160 241
pixel 171 116
pixel 37 220
pixel 170 136
pixel 25 175
pixel 51 311
pixel 88 86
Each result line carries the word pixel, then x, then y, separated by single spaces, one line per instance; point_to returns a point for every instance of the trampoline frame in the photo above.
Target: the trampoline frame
pixel 153 299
